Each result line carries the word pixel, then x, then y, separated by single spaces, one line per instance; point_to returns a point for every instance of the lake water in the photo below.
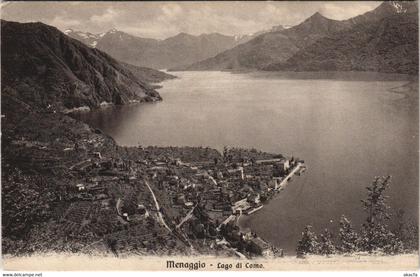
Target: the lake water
pixel 347 127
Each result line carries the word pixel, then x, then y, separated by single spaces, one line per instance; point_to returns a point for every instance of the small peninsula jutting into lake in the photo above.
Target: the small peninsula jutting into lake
pixel 296 140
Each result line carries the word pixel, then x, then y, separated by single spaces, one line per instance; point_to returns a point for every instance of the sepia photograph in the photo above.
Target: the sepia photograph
pixel 209 136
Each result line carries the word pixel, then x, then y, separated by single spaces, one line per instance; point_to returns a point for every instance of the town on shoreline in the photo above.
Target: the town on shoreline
pixel 90 195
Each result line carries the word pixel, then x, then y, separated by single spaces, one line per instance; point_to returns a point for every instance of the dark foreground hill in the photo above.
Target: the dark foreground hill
pixel 42 66
pixel 69 188
pixel 65 184
pixel 42 208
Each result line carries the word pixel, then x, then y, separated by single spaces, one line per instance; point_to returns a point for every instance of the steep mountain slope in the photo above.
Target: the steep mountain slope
pixel 144 73
pixel 181 49
pixel 387 8
pixel 389 45
pixel 271 49
pixel 314 28
pixel 256 53
pixel 42 66
pixel 44 71
pixel 275 46
pixel 383 40
pixel 184 48
pixel 127 48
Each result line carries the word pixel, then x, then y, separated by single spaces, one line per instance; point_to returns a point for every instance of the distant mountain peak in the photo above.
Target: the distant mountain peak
pixel 318 24
pixel 182 37
pixel 317 16
pixel 183 34
pixel 112 31
pixel 89 38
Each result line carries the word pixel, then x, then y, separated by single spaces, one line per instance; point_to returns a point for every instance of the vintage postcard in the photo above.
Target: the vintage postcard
pixel 209 136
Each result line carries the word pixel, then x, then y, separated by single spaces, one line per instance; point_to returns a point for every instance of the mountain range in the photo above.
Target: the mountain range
pixel 389 45
pixel 182 49
pixel 270 47
pixel 388 36
pixel 43 67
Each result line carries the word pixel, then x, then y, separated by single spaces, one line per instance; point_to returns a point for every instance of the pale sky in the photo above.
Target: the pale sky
pixel 164 19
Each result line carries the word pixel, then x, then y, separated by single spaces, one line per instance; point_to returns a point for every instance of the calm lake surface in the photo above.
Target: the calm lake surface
pixel 347 127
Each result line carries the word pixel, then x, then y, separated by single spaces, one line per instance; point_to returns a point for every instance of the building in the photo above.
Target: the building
pixel 284 164
pixel 237 172
pixel 254 198
pixel 269 161
pixel 80 187
pixel 281 168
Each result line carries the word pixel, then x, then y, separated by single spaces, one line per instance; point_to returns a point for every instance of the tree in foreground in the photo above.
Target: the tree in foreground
pixel 308 244
pixel 326 244
pixel 347 236
pixel 410 236
pixel 375 235
pixel 407 231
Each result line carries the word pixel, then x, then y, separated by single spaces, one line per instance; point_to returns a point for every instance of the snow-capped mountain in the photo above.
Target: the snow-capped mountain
pixel 178 50
pixel 86 37
pixel 65 73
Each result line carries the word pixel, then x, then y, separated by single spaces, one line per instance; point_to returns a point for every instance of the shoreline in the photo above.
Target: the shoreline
pixel 140 162
pixel 89 170
pixel 328 75
pixel 246 217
